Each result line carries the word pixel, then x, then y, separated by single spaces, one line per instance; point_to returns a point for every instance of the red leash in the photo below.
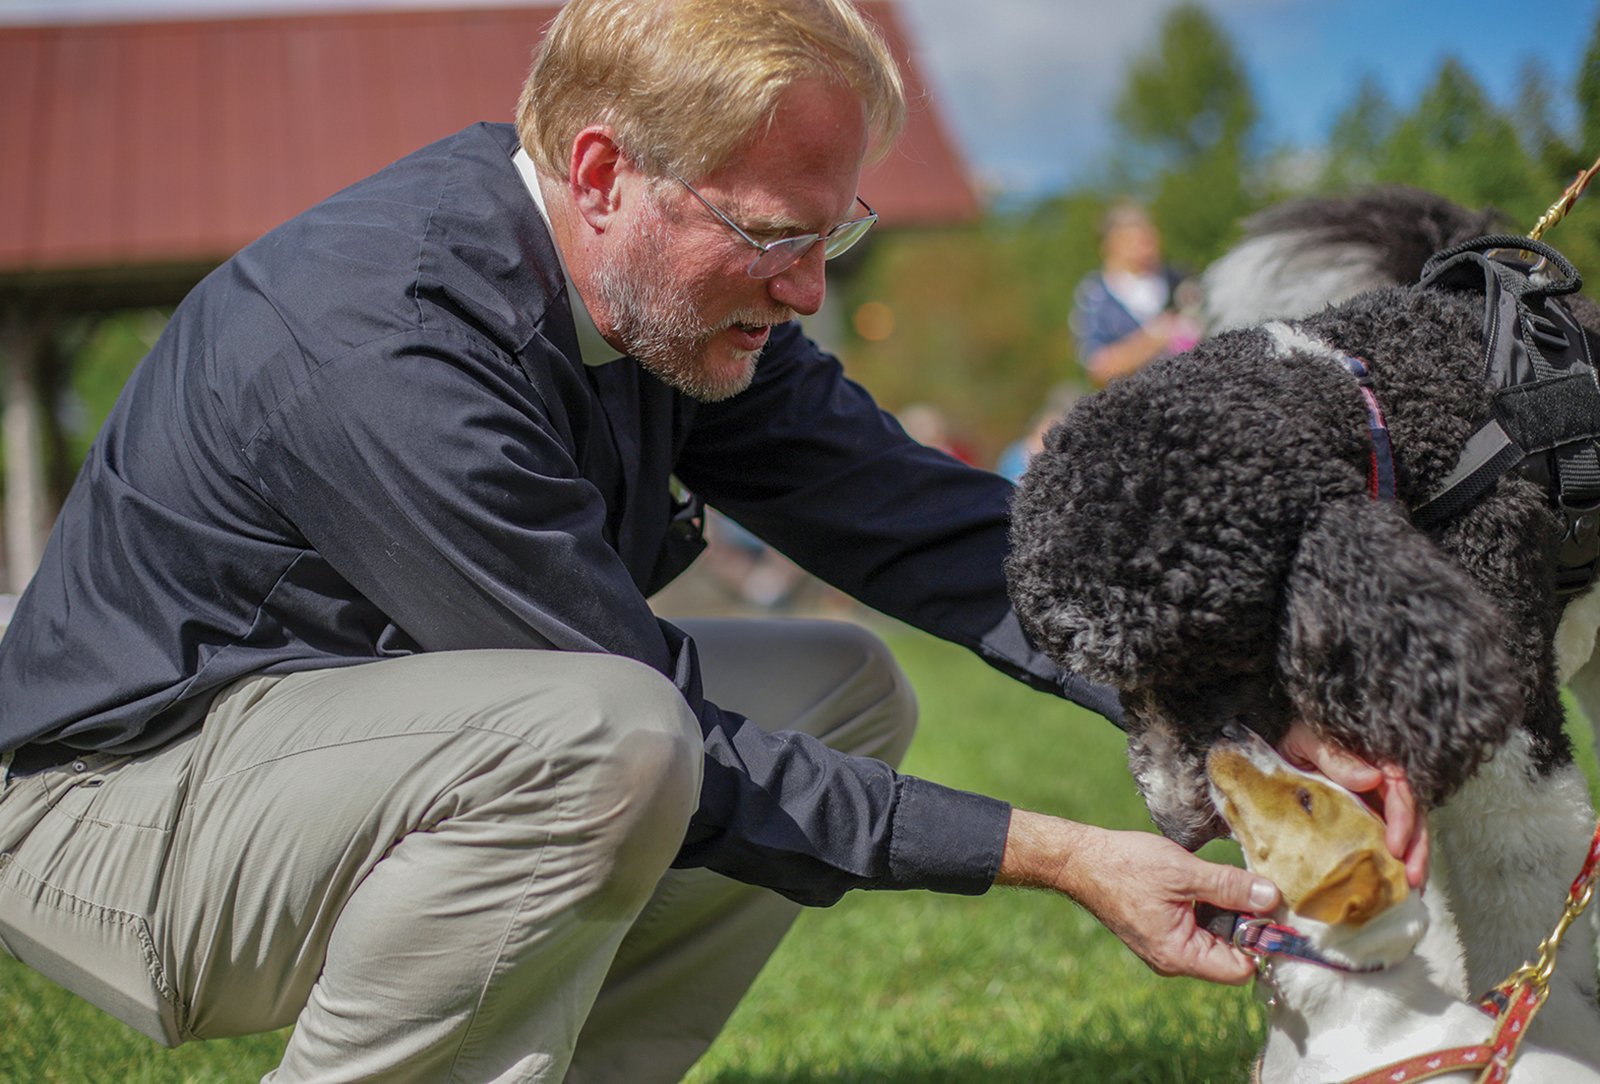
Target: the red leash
pixel 1493 1056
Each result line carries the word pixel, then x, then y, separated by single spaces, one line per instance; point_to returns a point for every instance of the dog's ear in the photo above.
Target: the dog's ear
pixel 1361 887
pixel 1390 649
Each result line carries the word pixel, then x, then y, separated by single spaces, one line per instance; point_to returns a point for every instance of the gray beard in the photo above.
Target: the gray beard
pixel 659 326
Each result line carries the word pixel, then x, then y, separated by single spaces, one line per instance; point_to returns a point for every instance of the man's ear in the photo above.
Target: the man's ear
pixel 1391 650
pixel 595 175
pixel 1363 886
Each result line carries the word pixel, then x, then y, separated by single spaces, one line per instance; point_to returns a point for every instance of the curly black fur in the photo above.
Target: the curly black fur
pixel 1201 536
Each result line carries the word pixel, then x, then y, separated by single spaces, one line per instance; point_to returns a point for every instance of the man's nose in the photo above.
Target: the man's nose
pixel 802 285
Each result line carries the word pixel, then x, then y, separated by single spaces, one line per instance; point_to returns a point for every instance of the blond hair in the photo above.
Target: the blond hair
pixel 683 83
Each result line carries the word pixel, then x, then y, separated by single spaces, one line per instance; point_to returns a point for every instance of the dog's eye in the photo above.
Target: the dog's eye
pixel 1304 796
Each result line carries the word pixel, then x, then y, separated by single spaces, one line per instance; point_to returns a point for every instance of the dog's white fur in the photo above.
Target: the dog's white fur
pixel 1275 276
pixel 1327 1025
pixel 1516 842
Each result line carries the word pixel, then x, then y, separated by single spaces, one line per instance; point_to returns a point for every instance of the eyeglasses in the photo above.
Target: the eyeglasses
pixel 775 257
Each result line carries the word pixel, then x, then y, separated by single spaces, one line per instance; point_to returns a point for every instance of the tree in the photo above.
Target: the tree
pixel 1188 96
pixel 1586 94
pixel 1457 143
pixel 1533 114
pixel 1356 141
pixel 1186 115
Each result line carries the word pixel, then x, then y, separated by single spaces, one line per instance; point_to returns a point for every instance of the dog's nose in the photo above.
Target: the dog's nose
pixel 1236 733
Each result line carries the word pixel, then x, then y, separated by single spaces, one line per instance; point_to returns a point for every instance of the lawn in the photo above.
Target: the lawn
pixel 902 988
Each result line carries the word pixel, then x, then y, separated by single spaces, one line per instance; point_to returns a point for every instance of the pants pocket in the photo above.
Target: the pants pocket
pixel 105 955
pixel 81 881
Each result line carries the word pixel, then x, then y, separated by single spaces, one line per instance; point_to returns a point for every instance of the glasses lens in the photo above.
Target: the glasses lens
pixel 846 234
pixel 781 255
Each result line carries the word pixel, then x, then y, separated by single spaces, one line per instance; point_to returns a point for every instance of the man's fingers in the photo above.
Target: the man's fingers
pixel 1405 829
pixel 1302 747
pixel 1217 961
pixel 1417 855
pixel 1345 768
pixel 1232 888
pixel 1209 956
pixel 1399 814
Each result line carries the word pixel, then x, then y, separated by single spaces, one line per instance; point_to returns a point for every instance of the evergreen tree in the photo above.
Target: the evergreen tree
pixel 1356 141
pixel 1586 95
pixel 1457 143
pixel 1533 113
pixel 1186 115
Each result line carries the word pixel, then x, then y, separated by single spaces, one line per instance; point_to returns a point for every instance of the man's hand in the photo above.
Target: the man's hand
pixel 1383 785
pixel 1142 887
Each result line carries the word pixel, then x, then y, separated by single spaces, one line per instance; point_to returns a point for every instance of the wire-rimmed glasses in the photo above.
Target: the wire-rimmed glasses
pixel 775 257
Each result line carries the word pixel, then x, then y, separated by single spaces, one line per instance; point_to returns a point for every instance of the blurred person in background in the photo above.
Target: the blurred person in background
pixel 1134 308
pixel 1013 461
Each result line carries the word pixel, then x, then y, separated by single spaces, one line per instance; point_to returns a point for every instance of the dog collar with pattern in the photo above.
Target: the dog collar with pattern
pixel 1380 475
pixel 1261 937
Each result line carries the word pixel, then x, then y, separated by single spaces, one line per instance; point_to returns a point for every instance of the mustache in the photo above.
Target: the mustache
pixel 757 317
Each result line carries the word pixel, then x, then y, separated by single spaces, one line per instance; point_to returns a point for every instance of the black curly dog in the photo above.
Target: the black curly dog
pixel 1202 535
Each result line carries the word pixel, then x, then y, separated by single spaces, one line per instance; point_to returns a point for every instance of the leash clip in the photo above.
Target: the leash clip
pixel 1247 934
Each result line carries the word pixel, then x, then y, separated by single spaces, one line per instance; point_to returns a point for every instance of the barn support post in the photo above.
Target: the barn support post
pixel 23 336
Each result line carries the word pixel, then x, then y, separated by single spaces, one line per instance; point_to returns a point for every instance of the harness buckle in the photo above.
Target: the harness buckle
pixel 1578 552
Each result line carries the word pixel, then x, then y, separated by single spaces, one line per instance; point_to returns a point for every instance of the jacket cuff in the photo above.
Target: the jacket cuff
pixel 945 840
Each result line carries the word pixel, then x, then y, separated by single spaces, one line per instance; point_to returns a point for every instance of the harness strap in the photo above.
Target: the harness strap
pixel 1493 1057
pixel 1488 454
pixel 1546 407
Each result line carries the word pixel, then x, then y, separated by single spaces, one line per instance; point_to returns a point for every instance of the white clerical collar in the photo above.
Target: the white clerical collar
pixel 592 346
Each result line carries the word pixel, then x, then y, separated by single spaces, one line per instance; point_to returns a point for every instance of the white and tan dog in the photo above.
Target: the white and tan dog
pixel 1348 897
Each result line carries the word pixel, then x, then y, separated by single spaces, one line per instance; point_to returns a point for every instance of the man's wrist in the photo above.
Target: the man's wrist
pixel 1044 852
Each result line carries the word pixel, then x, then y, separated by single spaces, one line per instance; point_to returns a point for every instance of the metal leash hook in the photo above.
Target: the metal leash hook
pixel 1536 974
pixel 1558 210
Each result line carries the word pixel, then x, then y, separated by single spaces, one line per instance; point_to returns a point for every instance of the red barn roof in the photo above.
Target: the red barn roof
pixel 140 144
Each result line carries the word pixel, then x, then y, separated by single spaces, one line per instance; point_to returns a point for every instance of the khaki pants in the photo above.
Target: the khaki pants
pixel 442 867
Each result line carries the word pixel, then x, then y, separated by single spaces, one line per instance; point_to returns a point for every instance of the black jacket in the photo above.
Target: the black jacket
pixel 369 434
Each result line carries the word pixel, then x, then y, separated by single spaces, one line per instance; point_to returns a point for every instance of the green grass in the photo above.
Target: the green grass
pixel 1013 987
pixel 900 988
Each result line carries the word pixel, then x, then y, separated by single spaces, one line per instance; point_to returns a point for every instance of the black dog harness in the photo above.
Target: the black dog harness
pixel 1545 420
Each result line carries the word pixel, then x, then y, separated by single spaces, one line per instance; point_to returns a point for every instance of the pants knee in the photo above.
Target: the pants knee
pixel 643 782
pixel 892 722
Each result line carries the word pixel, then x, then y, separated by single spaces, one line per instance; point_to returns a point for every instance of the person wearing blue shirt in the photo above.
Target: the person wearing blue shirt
pixel 1128 312
pixel 338 701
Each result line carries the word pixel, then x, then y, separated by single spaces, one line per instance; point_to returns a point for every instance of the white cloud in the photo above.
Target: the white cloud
pixel 1028 85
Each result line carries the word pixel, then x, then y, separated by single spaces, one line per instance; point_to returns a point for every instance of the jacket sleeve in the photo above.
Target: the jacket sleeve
pixel 426 472
pixel 806 460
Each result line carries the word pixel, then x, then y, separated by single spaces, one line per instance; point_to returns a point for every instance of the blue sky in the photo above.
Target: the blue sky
pixel 1026 86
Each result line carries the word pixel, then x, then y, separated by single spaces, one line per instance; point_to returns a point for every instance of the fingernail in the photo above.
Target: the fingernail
pixel 1262 895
